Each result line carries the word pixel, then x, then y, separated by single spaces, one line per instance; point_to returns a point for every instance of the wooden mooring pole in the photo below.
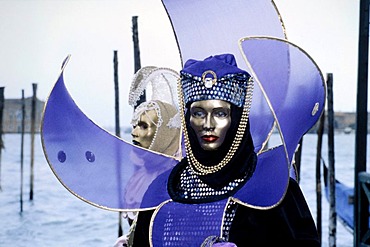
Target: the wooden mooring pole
pixel 137 61
pixel 298 158
pixel 116 90
pixel 1 127
pixel 320 132
pixel 33 117
pixel 332 209
pixel 361 208
pixel 117 122
pixel 22 147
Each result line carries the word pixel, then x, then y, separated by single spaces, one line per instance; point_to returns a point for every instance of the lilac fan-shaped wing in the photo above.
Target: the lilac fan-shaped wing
pixel 210 27
pixel 292 84
pixel 91 163
pixel 293 99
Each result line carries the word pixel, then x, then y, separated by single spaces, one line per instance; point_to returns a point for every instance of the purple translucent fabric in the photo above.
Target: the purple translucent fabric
pixel 92 164
pixel 210 27
pixel 293 90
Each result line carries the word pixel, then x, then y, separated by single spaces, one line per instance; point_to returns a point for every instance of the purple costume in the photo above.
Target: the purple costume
pixel 288 97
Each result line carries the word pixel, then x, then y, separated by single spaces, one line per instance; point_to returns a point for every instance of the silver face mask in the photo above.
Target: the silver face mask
pixel 210 119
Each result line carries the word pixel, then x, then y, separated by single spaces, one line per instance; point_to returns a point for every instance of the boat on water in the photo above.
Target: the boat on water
pixel 344 200
pixel 347 130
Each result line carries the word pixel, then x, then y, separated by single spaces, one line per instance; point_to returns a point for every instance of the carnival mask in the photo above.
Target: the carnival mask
pixel 210 119
pixel 144 130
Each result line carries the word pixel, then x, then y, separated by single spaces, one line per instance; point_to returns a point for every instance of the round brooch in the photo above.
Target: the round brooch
pixel 209 81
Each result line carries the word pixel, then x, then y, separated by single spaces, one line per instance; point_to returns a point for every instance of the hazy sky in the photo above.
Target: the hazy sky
pixel 36 36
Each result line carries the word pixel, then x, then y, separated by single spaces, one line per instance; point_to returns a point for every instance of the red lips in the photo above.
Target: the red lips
pixel 209 138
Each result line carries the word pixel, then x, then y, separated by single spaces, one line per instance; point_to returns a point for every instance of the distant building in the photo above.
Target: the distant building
pixel 343 122
pixel 12 115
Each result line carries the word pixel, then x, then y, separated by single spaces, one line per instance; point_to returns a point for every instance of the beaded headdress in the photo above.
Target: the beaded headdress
pixel 215 78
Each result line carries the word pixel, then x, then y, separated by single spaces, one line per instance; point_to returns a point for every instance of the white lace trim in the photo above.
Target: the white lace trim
pixel 175 121
pixel 163 83
pixel 143 109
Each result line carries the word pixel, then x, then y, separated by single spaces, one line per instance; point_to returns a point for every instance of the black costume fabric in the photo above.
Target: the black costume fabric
pixel 288 224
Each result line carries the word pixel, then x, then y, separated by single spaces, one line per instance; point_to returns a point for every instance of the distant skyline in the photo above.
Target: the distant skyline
pixel 37 35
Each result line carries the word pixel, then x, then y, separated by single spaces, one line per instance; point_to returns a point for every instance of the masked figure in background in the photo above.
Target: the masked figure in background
pixel 152 129
pixel 156 126
pixel 211 189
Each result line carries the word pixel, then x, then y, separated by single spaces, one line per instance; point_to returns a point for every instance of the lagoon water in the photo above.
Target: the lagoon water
pixel 55 217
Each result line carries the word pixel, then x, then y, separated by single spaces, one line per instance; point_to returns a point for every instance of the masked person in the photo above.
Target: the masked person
pixel 151 130
pixel 155 126
pixel 216 194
